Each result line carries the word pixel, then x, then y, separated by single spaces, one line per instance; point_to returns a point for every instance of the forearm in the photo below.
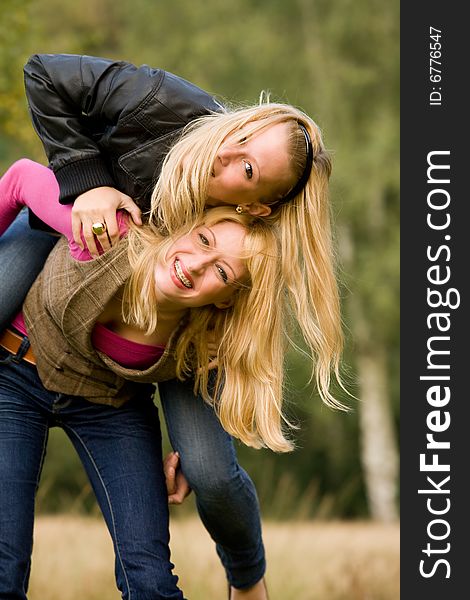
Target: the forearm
pixel 30 184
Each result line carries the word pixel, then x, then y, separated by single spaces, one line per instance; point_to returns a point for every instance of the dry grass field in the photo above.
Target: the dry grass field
pixel 73 560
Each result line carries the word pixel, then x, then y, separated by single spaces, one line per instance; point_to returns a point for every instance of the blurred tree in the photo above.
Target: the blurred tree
pixel 354 49
pixel 17 39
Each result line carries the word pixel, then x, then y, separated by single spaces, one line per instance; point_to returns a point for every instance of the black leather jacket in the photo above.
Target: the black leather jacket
pixel 108 123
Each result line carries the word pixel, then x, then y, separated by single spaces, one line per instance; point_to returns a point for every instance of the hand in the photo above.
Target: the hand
pixel 176 483
pixel 213 348
pixel 212 344
pixel 100 204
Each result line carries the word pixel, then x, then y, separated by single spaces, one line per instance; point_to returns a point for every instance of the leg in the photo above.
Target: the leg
pixel 23 437
pixel 226 496
pixel 121 451
pixel 23 252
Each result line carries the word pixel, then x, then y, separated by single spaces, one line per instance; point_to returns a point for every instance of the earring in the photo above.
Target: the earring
pixel 239 209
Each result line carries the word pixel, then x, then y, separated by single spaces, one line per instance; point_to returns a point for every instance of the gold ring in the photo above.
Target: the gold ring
pixel 98 228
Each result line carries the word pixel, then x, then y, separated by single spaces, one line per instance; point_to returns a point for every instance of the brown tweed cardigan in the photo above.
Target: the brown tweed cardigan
pixel 60 312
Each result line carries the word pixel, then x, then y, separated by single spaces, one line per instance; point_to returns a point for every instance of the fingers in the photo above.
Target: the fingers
pixel 99 205
pixel 77 229
pixel 170 479
pixel 177 498
pixel 131 207
pixel 212 343
pixel 104 237
pixel 90 239
pixel 171 460
pixel 170 464
pixel 111 235
pixel 176 484
pixel 182 490
pixel 213 351
pixel 212 348
pixel 89 235
pixel 212 364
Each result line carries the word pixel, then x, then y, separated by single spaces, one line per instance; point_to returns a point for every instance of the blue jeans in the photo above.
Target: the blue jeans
pixel 23 252
pixel 120 449
pixel 225 496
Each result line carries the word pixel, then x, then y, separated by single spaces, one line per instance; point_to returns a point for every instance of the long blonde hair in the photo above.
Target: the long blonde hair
pixel 247 393
pixel 303 223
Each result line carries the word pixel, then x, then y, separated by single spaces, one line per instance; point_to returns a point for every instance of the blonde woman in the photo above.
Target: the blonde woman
pixel 110 131
pixel 92 333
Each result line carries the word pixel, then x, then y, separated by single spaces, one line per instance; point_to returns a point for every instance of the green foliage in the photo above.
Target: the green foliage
pixel 339 62
pixel 15 128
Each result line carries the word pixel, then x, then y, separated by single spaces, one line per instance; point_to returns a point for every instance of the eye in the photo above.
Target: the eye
pixel 222 273
pixel 248 170
pixel 202 238
pixel 242 140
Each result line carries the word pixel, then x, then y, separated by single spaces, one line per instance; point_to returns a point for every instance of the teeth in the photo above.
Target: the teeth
pixel 181 276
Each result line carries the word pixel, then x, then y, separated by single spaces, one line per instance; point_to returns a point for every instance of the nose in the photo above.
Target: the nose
pixel 200 263
pixel 227 153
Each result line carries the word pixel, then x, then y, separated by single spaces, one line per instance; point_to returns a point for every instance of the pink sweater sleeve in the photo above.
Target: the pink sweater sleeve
pixel 27 183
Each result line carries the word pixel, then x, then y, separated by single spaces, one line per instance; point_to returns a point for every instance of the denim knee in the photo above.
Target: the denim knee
pixel 212 481
pixel 206 479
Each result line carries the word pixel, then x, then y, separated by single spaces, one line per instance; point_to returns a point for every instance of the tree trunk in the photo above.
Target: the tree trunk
pixel 379 452
pixel 378 447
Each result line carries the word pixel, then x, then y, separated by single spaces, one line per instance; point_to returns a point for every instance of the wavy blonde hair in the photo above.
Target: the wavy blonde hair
pixel 303 223
pixel 247 392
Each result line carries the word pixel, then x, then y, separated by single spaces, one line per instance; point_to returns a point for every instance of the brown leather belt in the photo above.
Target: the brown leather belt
pixel 11 341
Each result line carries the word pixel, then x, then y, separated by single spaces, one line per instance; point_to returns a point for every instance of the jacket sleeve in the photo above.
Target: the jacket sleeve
pixel 73 100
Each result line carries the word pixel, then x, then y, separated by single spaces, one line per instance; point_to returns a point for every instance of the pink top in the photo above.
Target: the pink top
pixel 130 355
pixel 30 184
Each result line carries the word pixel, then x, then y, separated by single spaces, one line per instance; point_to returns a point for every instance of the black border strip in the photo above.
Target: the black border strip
pixel 435 523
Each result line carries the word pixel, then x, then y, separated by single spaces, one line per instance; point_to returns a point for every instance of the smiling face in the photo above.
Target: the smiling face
pixel 202 267
pixel 253 171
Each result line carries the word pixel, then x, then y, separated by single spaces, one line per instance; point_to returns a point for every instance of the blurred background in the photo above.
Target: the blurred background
pixel 339 62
